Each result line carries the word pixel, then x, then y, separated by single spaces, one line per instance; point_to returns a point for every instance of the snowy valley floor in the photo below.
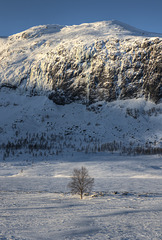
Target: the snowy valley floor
pixel 36 204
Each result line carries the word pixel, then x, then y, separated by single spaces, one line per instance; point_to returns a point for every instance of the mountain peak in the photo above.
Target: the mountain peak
pixel 102 28
pixel 90 62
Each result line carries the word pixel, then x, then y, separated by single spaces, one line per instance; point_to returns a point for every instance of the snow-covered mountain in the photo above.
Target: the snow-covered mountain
pixel 90 62
pixel 111 68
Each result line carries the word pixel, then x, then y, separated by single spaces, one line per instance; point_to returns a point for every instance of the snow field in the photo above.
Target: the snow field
pixel 126 202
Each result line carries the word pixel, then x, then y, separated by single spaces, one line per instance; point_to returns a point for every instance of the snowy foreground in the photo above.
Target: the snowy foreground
pixel 126 203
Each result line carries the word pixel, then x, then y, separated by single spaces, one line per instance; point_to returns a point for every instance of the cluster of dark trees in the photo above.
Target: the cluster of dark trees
pixel 44 144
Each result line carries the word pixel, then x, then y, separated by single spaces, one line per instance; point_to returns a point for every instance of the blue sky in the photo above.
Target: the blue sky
pixel 19 15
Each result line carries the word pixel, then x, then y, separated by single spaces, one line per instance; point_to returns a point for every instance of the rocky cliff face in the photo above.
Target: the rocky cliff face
pixel 86 63
pixel 109 70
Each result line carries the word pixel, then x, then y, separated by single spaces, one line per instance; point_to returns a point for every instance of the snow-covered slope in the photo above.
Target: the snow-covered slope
pixel 109 72
pixel 87 62
pixel 37 127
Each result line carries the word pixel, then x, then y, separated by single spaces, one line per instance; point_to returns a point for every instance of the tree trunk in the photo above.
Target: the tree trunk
pixel 81 195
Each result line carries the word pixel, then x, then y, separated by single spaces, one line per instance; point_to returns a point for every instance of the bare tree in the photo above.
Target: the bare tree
pixel 80 182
